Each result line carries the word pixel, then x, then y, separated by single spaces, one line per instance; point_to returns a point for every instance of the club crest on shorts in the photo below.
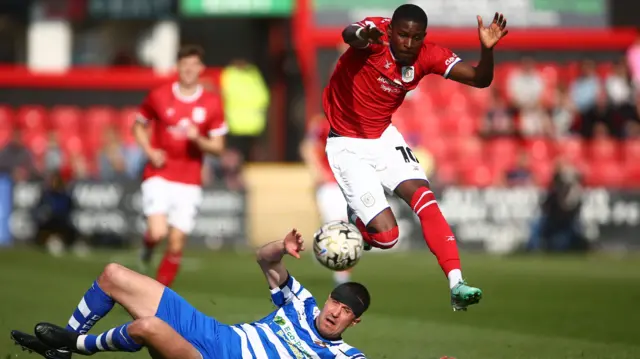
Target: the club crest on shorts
pixel 199 114
pixel 367 199
pixel 408 73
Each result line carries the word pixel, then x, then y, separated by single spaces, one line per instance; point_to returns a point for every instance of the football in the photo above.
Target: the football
pixel 338 245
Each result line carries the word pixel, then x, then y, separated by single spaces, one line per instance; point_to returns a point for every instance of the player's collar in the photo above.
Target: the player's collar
pixel 176 92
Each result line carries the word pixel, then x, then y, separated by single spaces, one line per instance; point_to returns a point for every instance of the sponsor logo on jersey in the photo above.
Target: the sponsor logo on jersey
pixel 451 60
pixel 199 114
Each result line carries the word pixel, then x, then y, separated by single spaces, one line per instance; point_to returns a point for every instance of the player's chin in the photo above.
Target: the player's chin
pixel 407 59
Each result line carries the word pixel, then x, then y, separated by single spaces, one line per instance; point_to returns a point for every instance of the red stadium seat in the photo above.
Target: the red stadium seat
pixel 469 152
pixel 540 149
pixel 446 173
pixel 632 175
pixel 632 151
pixel 32 118
pixel 501 153
pixel 6 117
pixel 5 136
pixel 479 176
pixel 36 142
pixel 65 119
pixel 127 118
pixel 542 172
pixel 604 150
pixel 606 174
pixel 100 117
pixel 571 148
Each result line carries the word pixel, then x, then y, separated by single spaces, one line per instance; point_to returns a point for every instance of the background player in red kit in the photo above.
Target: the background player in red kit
pixel 368 156
pixel 186 121
pixel 329 200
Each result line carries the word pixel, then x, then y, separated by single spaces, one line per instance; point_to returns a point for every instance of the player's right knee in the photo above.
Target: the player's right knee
pixel 386 239
pixel 144 328
pixel 112 276
pixel 157 233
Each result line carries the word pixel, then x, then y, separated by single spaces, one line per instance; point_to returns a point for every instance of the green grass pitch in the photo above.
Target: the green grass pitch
pixel 533 307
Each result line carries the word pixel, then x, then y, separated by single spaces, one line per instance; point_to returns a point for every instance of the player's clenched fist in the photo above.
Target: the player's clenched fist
pixel 157 158
pixel 371 34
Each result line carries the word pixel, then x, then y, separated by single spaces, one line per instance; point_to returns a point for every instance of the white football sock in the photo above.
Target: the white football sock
pixel 455 276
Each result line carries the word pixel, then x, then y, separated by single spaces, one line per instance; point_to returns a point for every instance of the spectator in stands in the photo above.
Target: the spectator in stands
pixel 53 157
pixel 619 86
pixel 226 171
pixel 557 228
pixel 499 120
pixel 53 216
pixel 520 174
pixel 525 85
pixel 586 88
pixel 16 160
pixel 601 117
pixel 563 113
pixel 112 158
pixel 535 122
pixel 246 101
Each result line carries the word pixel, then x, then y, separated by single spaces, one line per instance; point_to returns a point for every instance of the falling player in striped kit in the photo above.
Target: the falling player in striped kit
pixel 170 327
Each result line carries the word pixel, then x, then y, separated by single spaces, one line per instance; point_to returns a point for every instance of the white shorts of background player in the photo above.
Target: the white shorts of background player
pixel 180 202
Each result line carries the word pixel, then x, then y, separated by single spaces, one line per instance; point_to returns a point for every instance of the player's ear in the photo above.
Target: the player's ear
pixel 355 321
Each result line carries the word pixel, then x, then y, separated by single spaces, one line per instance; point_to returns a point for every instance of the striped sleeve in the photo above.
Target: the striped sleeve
pixel 290 290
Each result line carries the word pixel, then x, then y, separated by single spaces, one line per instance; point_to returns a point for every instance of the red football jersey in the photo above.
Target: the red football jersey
pixel 170 114
pixel 318 133
pixel 367 86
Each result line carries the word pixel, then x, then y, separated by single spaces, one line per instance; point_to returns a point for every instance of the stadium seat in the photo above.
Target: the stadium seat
pixel 5 136
pixel 32 118
pixel 631 150
pixel 604 150
pixel 65 119
pixel 571 148
pixel 605 174
pixel 501 153
pixel 539 149
pixel 127 118
pixel 480 175
pixel 469 152
pixel 632 175
pixel 542 171
pixel 6 117
pixel 446 173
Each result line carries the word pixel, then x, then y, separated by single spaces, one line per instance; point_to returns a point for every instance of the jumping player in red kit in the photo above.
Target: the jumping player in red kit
pixel 368 156
pixel 186 122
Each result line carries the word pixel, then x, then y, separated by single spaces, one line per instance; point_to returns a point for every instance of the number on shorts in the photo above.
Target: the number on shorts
pixel 407 154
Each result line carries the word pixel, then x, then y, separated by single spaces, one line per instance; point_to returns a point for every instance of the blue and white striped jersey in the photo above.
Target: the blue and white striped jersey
pixel 289 331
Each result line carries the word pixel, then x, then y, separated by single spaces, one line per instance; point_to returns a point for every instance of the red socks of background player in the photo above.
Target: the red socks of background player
pixel 169 267
pixel 437 233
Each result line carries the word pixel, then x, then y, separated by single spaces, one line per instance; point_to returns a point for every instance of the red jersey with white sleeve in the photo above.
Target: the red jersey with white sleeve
pixel 170 114
pixel 367 86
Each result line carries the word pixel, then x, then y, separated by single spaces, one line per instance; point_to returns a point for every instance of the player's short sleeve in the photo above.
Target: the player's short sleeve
pixel 146 110
pixel 351 353
pixel 439 60
pixel 217 125
pixel 289 291
pixel 379 22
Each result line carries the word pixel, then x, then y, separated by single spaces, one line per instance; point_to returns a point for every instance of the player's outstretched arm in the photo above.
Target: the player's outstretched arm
pixel 270 256
pixel 361 36
pixel 482 75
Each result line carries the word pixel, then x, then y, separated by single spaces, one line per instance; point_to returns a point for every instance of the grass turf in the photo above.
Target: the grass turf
pixel 533 307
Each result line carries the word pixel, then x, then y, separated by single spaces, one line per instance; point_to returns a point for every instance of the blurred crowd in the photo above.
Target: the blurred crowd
pixel 535 118
pixel 96 142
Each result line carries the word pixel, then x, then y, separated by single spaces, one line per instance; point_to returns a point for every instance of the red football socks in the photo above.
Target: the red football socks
pixel 436 230
pixel 148 242
pixel 168 268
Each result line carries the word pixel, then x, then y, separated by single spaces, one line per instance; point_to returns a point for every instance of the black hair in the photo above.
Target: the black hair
pixel 354 295
pixel 410 12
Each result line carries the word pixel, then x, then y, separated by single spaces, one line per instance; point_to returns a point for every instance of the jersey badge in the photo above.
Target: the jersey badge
pixel 407 73
pixel 199 114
